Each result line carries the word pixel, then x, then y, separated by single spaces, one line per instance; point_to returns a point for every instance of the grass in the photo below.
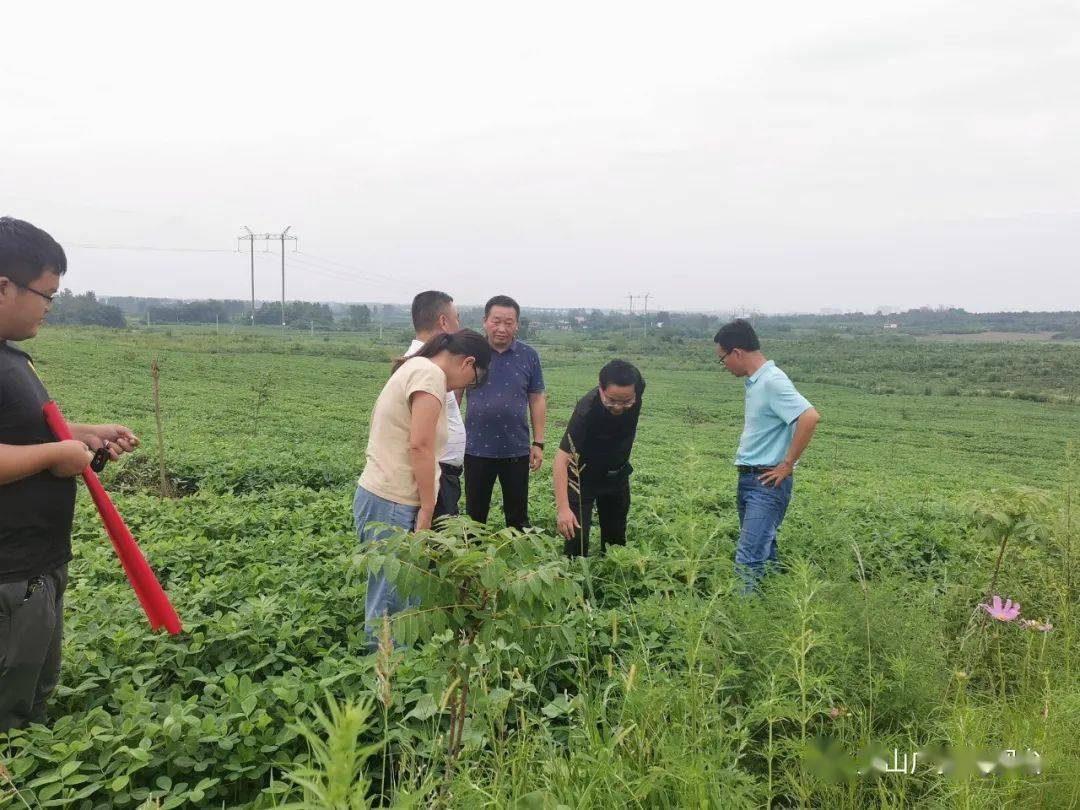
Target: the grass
pixel 654 685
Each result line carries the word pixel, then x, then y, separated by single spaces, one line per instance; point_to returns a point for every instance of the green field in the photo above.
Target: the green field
pixel 635 680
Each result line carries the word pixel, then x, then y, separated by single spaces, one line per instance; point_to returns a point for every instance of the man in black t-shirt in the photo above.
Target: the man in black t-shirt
pixel 592 465
pixel 37 481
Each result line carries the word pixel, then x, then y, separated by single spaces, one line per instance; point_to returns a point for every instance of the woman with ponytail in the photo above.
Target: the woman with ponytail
pixel 400 481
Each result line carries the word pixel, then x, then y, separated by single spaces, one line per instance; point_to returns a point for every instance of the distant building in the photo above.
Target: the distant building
pixel 892 326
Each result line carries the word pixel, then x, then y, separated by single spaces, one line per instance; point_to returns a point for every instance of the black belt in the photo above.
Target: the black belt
pixel 33 584
pixel 449 469
pixel 743 468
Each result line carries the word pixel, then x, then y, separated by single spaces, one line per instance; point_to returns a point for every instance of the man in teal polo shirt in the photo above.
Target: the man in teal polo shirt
pixel 779 422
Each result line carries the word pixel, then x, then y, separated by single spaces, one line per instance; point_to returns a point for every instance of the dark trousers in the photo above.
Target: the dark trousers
pixel 612 503
pixel 31 627
pixel 513 477
pixel 446 503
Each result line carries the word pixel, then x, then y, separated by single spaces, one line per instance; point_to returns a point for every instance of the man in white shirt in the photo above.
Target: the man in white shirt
pixel 433 312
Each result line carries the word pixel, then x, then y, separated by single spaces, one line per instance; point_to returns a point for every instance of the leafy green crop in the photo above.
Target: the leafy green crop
pixel 525 679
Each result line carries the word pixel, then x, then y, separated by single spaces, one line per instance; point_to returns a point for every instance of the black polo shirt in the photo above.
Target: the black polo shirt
pixel 603 440
pixel 35 513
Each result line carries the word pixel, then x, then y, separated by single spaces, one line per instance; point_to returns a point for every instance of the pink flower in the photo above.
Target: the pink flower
pixel 1003 613
pixel 1033 624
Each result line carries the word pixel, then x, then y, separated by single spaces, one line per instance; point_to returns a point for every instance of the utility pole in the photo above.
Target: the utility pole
pixel 630 323
pixel 283 238
pixel 645 325
pixel 252 238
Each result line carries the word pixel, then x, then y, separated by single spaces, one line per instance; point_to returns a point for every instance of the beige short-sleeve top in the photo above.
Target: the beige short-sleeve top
pixel 388 472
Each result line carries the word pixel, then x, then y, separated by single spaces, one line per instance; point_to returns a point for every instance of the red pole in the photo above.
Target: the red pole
pixel 154 602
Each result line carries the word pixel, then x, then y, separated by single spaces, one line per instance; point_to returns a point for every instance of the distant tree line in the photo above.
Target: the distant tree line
pixel 195 311
pixel 662 324
pixel 298 314
pixel 921 321
pixel 930 320
pixel 84 310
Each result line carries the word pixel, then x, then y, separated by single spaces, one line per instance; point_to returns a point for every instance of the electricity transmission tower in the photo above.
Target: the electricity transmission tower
pixel 645 313
pixel 252 238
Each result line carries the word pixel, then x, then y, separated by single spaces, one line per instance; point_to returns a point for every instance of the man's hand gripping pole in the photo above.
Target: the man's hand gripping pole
pixel 158 609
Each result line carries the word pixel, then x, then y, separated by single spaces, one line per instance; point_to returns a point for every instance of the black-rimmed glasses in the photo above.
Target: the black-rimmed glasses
pixel 38 293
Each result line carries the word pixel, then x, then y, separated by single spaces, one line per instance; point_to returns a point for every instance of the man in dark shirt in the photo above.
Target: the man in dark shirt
pixel 37 482
pixel 592 465
pixel 497 445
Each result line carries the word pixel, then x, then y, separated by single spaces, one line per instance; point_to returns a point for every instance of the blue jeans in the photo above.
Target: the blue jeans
pixel 761 511
pixel 376 518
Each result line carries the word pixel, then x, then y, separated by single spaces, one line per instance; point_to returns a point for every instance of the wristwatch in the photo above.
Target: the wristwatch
pixel 538 444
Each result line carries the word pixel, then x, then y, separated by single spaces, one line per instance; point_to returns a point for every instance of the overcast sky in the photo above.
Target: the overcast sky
pixel 773 156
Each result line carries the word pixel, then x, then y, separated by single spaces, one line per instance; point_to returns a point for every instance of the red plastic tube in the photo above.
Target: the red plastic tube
pixel 155 603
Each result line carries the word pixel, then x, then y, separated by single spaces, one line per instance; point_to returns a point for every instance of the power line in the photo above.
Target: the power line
pixel 368 275
pixel 146 247
pixel 352 274
pixel 325 273
pixel 368 285
pixel 374 274
pixel 338 275
pixel 328 268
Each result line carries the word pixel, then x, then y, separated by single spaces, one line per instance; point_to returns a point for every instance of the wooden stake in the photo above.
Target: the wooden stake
pixel 166 487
